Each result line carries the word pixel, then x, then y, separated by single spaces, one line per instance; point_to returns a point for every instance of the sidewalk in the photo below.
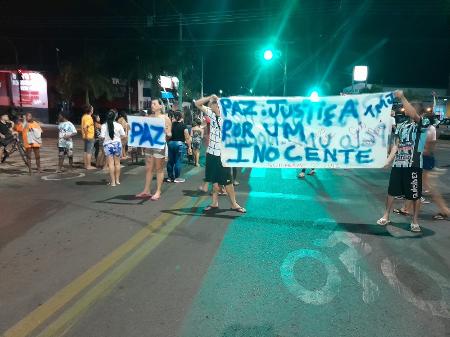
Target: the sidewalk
pixel 14 165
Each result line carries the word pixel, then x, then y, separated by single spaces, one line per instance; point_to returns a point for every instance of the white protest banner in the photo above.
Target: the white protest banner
pixel 148 132
pixel 330 132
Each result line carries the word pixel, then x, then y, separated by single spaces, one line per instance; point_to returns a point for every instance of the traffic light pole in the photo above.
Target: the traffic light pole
pixel 285 70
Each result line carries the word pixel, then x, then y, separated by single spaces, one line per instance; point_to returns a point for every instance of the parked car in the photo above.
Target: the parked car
pixel 443 128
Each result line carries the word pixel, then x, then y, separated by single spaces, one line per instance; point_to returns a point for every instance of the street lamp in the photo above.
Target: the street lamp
pixel 360 74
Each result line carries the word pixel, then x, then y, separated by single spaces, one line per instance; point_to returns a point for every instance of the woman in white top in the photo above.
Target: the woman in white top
pixel 112 134
pixel 155 160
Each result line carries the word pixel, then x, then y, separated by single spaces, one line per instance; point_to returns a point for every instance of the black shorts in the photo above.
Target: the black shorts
pixel 215 172
pixel 428 163
pixel 406 181
pixel 65 151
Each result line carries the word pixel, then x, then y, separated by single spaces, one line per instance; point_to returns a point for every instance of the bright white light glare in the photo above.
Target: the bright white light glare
pixel 360 73
pixel 314 96
pixel 268 54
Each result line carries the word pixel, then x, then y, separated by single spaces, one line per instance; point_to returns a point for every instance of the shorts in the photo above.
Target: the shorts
pixel 196 144
pixel 88 145
pixel 113 149
pixel 65 151
pixel 155 153
pixel 215 172
pixel 428 163
pixel 406 181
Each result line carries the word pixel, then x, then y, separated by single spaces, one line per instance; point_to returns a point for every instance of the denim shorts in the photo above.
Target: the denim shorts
pixel 88 145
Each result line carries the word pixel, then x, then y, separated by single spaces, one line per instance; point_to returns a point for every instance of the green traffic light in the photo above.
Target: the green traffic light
pixel 268 54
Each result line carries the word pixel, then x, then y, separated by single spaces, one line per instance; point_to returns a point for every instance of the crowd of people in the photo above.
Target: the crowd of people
pixel 411 152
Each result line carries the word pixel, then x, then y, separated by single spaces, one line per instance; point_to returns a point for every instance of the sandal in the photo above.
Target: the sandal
pixel 155 197
pixel 210 208
pixel 301 175
pixel 239 210
pixel 383 222
pixel 311 173
pixel 415 228
pixel 440 216
pixel 401 212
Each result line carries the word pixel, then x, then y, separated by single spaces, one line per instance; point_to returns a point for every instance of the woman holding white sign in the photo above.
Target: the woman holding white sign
pixel 155 159
pixel 112 134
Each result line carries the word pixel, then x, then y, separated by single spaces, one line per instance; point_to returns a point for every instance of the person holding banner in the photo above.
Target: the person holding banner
pixel 406 154
pixel 155 159
pixel 112 134
pixel 215 173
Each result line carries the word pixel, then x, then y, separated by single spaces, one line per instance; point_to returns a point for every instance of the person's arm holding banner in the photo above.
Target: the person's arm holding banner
pixel 410 111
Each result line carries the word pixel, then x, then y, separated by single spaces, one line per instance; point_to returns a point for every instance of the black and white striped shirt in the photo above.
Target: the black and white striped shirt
pixel 215 141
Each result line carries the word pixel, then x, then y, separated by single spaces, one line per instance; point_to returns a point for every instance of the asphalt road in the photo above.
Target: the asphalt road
pixel 78 258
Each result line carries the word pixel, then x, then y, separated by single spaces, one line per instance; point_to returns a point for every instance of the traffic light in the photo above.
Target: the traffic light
pixel 267 54
pixel 314 95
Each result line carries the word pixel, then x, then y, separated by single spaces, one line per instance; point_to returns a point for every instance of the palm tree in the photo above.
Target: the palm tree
pixel 91 79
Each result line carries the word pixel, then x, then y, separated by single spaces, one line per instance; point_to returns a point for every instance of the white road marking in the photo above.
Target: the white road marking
pixel 320 296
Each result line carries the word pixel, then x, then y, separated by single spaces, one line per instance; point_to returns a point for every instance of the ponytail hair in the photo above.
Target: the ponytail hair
pixel 110 123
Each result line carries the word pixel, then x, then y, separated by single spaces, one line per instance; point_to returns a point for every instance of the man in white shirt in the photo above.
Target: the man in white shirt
pixel 215 173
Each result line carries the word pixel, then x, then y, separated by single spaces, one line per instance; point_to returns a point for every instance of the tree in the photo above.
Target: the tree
pixel 91 78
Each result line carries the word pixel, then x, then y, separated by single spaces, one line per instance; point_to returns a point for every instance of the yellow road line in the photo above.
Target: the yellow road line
pixel 38 316
pixel 69 318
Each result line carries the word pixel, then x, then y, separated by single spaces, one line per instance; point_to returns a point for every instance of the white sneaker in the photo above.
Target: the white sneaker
pixel 415 227
pixel 424 201
pixel 179 180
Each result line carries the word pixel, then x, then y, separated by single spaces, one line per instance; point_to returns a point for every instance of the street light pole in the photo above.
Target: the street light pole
pixel 285 70
pixel 201 93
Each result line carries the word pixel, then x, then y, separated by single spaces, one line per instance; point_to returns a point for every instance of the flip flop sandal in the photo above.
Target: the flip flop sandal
pixel 383 222
pixel 210 208
pixel 400 212
pixel 239 210
pixel 440 216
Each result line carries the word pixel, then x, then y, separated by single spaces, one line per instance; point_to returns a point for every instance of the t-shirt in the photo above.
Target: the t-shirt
pixel 411 142
pixel 118 132
pixel 87 127
pixel 66 129
pixel 431 134
pixel 178 132
pixel 215 140
pixel 35 131
pixel 5 129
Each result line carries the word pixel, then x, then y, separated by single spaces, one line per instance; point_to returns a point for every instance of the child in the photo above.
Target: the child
pixel 197 138
pixel 66 130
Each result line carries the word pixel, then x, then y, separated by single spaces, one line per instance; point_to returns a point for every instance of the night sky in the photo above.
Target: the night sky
pixel 404 43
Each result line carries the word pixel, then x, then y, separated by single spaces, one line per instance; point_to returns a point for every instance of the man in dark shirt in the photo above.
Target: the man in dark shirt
pixel 6 135
pixel 406 155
